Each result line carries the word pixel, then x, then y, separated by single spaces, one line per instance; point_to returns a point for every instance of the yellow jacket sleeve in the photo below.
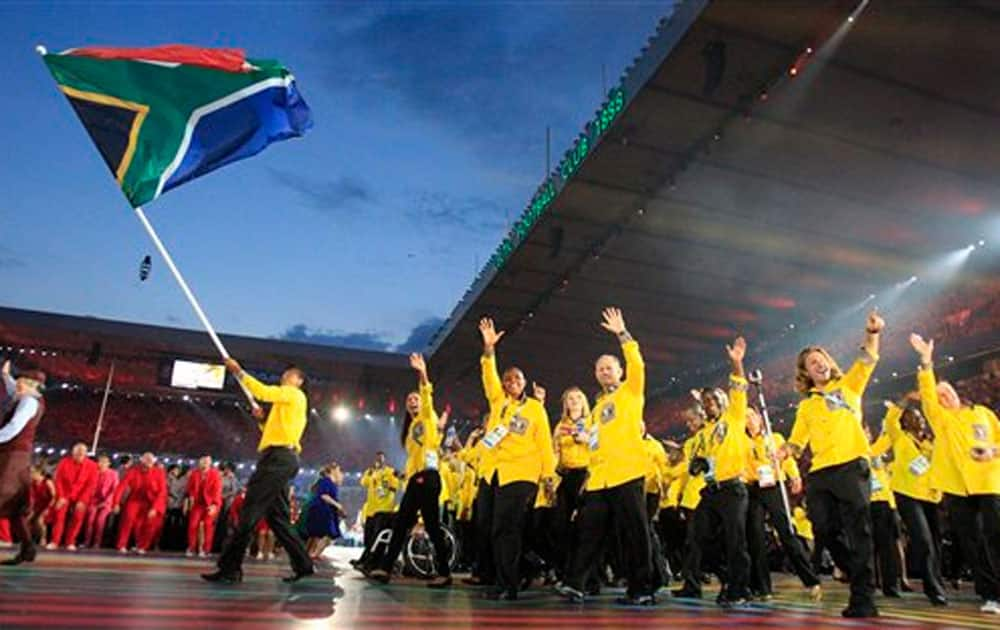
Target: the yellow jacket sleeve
pixel 268 393
pixel 790 468
pixel 366 480
pixel 800 431
pixel 738 403
pixel 890 431
pixel 428 416
pixel 543 438
pixel 635 368
pixel 856 378
pixel 391 479
pixel 492 386
pixel 927 385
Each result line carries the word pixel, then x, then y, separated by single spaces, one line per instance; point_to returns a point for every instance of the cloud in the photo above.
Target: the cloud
pixel 327 196
pixel 358 341
pixel 415 342
pixel 421 335
pixel 442 210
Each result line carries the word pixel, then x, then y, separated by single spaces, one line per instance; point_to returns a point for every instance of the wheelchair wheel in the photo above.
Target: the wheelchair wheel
pixel 418 554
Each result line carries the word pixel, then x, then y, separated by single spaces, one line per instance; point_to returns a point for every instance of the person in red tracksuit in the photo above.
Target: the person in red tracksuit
pixel 76 480
pixel 146 504
pixel 204 500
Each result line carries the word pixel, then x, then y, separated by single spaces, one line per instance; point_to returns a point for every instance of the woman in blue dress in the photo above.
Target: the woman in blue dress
pixel 325 511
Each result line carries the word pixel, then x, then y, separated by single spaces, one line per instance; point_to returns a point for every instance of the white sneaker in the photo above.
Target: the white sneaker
pixel 189 553
pixel 270 556
pixel 122 550
pixel 141 552
pixel 260 556
pixel 202 554
pixel 70 547
pixel 991 606
pixel 51 546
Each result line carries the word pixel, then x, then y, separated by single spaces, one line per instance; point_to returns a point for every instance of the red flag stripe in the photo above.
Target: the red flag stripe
pixel 226 59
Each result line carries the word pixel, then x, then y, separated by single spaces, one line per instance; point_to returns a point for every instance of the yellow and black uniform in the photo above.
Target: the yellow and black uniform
pixel 380 486
pixel 517 455
pixel 885 530
pixel 916 501
pixel 671 524
pixel 971 487
pixel 615 489
pixel 838 491
pixel 573 456
pixel 721 448
pixel 267 489
pixel 690 498
pixel 421 440
pixel 765 501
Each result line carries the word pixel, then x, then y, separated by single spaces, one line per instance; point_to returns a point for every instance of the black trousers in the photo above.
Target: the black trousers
pixel 723 507
pixel 767 503
pixel 660 575
pixel 374 524
pixel 485 570
pixel 267 497
pixel 422 496
pixel 886 535
pixel 567 503
pixel 920 519
pixel 692 569
pixel 604 513
pixel 672 533
pixel 174 537
pixel 837 498
pixel 975 523
pixel 504 513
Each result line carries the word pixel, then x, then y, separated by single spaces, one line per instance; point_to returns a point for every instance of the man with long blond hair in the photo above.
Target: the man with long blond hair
pixel 829 421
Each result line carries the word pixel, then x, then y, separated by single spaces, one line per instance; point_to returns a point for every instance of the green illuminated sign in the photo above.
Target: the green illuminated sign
pixel 569 165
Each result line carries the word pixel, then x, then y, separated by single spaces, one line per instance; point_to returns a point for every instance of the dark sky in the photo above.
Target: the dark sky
pixel 429 137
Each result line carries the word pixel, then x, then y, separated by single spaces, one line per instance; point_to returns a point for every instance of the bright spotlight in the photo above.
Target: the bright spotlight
pixel 341 413
pixel 981 243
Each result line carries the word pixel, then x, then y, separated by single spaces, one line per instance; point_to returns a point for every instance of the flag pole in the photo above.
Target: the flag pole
pixel 190 296
pixel 104 406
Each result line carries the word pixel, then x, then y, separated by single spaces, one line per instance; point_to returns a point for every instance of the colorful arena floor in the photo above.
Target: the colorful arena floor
pixel 105 590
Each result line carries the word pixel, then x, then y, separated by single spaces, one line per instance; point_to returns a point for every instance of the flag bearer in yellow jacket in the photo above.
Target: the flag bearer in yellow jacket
pixel 965 466
pixel 719 456
pixel 838 489
pixel 517 458
pixel 613 502
pixel 765 471
pixel 380 484
pixel 885 523
pixel 906 433
pixel 571 441
pixel 421 439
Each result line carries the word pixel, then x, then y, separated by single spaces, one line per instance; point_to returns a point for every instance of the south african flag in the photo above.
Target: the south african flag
pixel 163 116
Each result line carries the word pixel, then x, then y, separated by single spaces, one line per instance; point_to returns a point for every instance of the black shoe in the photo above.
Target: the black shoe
pixel 474 581
pixel 570 593
pixel 298 575
pixel 938 600
pixel 905 587
pixel 738 602
pixel 379 575
pixel 859 612
pixel 893 593
pixel 223 577
pixel 636 600
pixel 24 555
pixel 686 593
pixel 497 594
pixel 440 582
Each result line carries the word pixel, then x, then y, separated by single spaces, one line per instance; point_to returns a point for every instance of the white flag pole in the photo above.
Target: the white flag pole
pixel 190 296
pixel 104 406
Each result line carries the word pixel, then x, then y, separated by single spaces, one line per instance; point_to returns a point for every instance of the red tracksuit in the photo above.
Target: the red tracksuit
pixel 75 484
pixel 5 530
pixel 147 490
pixel 100 507
pixel 204 489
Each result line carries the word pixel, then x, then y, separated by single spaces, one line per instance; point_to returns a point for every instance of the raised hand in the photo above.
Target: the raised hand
pixel 489 332
pixel 923 348
pixel 233 366
pixel 875 323
pixel 613 322
pixel 417 363
pixel 538 391
pixel 738 350
pixel 6 368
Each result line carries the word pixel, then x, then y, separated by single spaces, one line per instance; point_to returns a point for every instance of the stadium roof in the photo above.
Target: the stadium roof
pixel 761 164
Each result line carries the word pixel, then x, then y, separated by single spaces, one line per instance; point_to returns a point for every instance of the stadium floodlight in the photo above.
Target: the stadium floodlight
pixel 341 413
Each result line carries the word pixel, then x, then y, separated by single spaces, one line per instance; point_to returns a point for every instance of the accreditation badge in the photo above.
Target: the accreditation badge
pixel 875 483
pixel 495 436
pixel 765 476
pixel 919 466
pixel 431 460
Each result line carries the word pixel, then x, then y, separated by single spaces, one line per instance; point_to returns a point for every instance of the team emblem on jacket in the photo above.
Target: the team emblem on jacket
pixel 608 413
pixel 719 433
pixel 979 432
pixel 418 433
pixel 518 425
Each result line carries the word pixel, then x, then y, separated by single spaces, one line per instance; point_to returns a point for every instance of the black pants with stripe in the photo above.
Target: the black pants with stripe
pixel 422 496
